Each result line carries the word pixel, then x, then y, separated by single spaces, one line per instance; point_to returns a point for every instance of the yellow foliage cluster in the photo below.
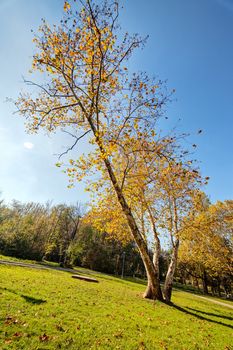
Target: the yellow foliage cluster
pixel 208 240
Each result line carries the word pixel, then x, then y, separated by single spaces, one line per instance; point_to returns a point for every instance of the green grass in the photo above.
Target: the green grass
pixel 47 309
pixel 189 288
pixel 11 258
pixel 44 262
pixel 221 300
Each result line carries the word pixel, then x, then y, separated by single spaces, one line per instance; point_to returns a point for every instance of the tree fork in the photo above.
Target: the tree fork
pixel 153 290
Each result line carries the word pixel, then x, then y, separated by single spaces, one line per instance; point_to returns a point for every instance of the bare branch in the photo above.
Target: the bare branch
pixel 75 143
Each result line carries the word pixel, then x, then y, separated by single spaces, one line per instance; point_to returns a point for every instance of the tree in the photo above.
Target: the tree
pixel 24 230
pixel 160 194
pixel 90 93
pixel 98 251
pixel 63 222
pixel 207 243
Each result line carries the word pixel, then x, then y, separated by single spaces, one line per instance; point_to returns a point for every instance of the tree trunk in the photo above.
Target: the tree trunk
pixel 117 265
pixel 149 290
pixel 204 283
pixel 219 287
pixel 156 256
pixel 212 286
pixel 197 283
pixel 153 290
pixel 170 273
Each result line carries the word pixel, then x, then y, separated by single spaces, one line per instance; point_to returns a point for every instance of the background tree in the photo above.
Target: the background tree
pixel 23 231
pixel 207 248
pixel 64 222
pixel 59 234
pixel 99 251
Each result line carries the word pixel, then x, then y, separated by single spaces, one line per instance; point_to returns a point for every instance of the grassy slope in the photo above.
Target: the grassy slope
pixel 49 310
pixel 189 288
pixel 11 258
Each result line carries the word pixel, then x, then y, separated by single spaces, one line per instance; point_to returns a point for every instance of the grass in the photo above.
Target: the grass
pixel 47 309
pixel 190 288
pixel 44 262
pixel 221 300
pixel 11 258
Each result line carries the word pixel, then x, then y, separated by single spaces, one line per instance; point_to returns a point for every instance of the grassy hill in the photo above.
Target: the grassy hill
pixel 47 309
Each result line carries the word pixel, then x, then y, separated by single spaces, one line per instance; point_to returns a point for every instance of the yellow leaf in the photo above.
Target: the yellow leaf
pixel 66 6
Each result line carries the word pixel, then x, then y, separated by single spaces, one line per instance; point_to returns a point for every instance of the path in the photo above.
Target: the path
pixel 214 301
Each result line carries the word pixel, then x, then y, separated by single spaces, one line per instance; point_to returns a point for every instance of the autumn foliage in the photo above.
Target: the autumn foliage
pixel 146 182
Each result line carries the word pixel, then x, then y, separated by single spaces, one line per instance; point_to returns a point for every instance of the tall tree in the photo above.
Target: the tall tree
pixel 89 92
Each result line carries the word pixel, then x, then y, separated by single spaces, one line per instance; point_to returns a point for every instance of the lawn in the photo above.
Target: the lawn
pixel 47 309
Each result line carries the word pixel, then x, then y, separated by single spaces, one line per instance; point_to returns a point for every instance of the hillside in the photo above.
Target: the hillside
pixel 47 309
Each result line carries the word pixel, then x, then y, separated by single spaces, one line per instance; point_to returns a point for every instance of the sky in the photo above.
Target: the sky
pixel 190 46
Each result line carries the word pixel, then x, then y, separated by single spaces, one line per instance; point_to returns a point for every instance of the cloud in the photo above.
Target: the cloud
pixel 28 145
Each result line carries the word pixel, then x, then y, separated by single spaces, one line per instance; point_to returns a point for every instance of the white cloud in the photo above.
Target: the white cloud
pixel 28 145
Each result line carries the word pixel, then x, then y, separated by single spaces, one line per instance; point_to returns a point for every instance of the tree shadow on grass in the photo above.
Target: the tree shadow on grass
pixel 211 314
pixel 27 298
pixel 32 300
pixel 179 308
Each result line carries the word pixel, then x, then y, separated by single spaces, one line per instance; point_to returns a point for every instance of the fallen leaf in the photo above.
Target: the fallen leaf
pixel 44 337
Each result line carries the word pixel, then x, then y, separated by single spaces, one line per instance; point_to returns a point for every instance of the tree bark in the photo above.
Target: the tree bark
pixel 156 256
pixel 170 273
pixel 149 290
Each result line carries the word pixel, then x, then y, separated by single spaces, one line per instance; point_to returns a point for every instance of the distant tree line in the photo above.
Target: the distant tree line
pixel 56 233
pixel 64 234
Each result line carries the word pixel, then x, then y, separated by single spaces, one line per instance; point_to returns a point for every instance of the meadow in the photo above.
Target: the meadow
pixel 47 309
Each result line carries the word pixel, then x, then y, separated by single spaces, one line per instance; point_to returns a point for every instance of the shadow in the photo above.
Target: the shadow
pixel 181 309
pixel 32 300
pixel 211 314
pixel 27 298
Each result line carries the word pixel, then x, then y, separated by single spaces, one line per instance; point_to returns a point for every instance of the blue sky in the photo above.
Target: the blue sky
pixel 190 44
